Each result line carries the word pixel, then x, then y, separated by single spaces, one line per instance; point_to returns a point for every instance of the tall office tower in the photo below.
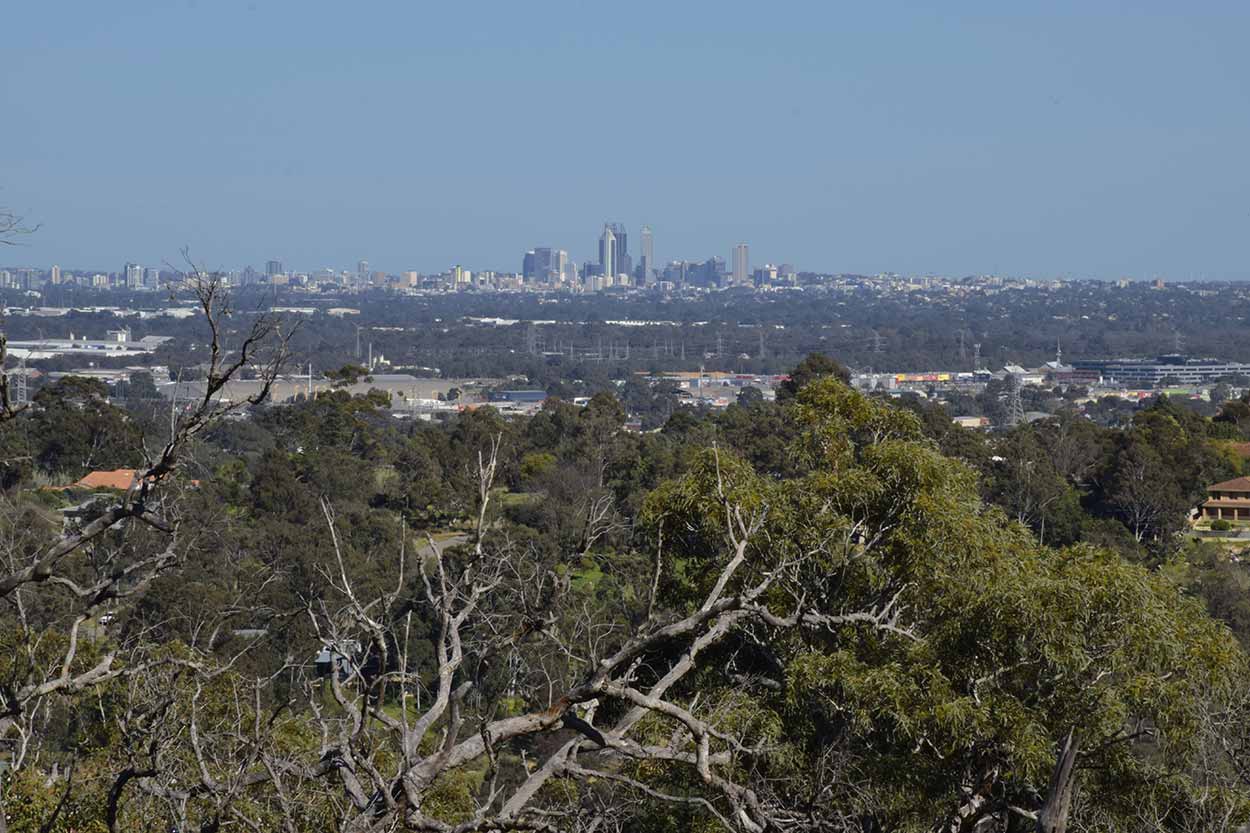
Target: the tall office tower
pixel 562 268
pixel 543 265
pixel 742 264
pixel 273 267
pixel 676 272
pixel 624 263
pixel 647 256
pixel 152 278
pixel 362 272
pixel 134 276
pixel 55 278
pixel 607 251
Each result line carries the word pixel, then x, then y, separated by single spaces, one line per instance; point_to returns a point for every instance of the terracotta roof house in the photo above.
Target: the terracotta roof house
pixel 120 479
pixel 1229 501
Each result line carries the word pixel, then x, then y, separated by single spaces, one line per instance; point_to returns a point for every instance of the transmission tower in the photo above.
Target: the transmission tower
pixel 20 395
pixel 963 354
pixel 1015 408
pixel 976 356
pixel 876 342
pixel 1178 342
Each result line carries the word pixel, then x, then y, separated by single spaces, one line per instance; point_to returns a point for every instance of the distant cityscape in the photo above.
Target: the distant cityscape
pixel 543 269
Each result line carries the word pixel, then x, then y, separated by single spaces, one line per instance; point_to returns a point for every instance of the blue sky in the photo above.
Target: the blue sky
pixel 1076 139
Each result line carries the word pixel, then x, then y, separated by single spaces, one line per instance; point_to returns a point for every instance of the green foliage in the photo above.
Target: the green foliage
pixel 815 366
pixel 1010 576
pixel 348 374
pixel 1011 645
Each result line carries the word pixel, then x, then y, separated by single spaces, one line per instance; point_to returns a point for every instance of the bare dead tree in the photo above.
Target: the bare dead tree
pixel 263 345
pixel 114 552
pixel 8 408
pixel 393 727
pixel 13 226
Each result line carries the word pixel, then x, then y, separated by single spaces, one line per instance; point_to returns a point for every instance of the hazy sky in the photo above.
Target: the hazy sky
pixel 1080 139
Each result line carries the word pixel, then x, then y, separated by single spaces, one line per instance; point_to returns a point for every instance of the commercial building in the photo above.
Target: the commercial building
pixel 647 274
pixel 1157 372
pixel 548 266
pixel 118 344
pixel 608 265
pixel 742 264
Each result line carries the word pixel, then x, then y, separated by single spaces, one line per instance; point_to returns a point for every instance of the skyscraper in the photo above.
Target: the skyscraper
pixel 607 251
pixel 152 278
pixel 624 264
pixel 742 264
pixel 55 279
pixel 546 265
pixel 647 257
pixel 362 273
pixel 134 276
pixel 273 267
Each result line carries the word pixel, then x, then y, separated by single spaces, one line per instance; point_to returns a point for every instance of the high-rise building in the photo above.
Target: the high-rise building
pixel 134 276
pixel 614 251
pixel 152 278
pixel 362 272
pixel 545 265
pixel 647 257
pixel 273 267
pixel 607 251
pixel 742 264
pixel 624 264
pixel 568 269
pixel 676 273
pixel 766 275
pixel 55 278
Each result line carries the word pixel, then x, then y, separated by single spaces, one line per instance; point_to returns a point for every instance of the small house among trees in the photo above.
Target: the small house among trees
pixel 1228 501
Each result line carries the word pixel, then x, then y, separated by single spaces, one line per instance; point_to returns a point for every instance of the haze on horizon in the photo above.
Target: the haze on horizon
pixel 1083 140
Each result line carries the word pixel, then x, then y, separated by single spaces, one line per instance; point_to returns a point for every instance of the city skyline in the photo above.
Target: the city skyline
pixel 882 138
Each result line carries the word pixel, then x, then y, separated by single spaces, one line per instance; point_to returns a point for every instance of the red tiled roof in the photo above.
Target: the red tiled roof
pixel 1225 503
pixel 117 479
pixel 1237 484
